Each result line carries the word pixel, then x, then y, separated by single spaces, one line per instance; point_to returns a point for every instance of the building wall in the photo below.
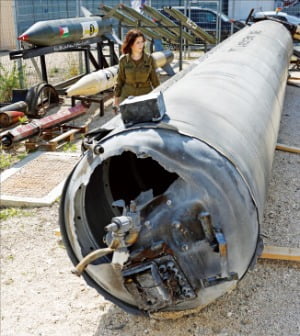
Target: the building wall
pixel 240 9
pixel 7 26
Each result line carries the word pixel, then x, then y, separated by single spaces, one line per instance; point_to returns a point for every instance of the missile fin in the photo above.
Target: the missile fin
pixel 86 12
pixel 158 45
pixel 169 70
pixel 116 37
pixel 112 37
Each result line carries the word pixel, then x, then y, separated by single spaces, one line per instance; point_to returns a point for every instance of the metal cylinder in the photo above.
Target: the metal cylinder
pixel 51 32
pixel 18 106
pixel 161 58
pixel 205 166
pixel 10 117
pixel 22 132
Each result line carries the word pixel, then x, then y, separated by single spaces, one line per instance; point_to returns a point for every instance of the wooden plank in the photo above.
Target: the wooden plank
pixel 281 253
pixel 66 135
pixel 286 148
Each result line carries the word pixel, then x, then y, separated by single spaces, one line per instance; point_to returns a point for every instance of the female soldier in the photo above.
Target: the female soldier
pixel 136 75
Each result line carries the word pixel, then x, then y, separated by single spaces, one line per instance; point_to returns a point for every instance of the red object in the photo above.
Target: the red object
pixel 36 126
pixel 23 37
pixel 8 118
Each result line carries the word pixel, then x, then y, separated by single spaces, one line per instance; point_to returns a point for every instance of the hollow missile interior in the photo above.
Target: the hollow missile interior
pixel 198 230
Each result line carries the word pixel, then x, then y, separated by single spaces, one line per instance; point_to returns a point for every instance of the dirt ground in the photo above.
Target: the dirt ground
pixel 40 296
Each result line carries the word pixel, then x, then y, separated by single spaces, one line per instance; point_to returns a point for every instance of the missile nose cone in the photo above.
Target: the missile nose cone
pixel 85 86
pixel 23 37
pixel 74 90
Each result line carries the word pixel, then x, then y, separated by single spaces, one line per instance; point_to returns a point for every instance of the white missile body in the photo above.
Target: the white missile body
pixel 104 79
pixel 94 82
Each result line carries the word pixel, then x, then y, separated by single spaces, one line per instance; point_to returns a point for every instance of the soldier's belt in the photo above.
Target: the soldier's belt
pixel 138 85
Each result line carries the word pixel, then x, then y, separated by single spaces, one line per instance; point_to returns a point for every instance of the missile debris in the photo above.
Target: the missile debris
pixel 105 78
pixel 21 106
pixel 36 126
pixel 164 217
pixel 8 118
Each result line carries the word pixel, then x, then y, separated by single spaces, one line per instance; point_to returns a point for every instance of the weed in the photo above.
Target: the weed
pixel 6 160
pixel 9 158
pixel 68 147
pixel 22 156
pixel 23 120
pixel 9 79
pixel 53 71
pixel 13 212
pixel 73 68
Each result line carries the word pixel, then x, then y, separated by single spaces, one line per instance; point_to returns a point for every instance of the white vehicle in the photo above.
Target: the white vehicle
pixel 276 15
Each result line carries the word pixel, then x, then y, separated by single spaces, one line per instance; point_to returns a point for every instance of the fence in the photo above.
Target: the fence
pixel 30 11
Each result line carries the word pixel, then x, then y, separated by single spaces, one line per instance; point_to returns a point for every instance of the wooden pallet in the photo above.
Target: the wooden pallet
pixel 281 253
pixel 54 138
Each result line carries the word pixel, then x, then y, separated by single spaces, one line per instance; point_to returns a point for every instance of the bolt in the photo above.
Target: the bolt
pixel 184 247
pixel 112 227
pixel 132 206
pixel 148 224
pixel 98 149
pixel 162 268
pixel 175 271
pixel 178 277
pixel 181 281
pixel 170 265
pixel 186 290
pixel 165 276
pixel 176 224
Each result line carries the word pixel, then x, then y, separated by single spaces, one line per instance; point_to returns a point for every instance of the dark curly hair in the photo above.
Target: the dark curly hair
pixel 130 38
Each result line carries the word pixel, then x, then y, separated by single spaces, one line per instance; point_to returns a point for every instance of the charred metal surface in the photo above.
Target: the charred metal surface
pixel 197 178
pixel 152 105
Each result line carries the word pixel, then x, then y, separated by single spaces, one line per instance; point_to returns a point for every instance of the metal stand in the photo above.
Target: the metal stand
pixel 99 98
pixel 80 46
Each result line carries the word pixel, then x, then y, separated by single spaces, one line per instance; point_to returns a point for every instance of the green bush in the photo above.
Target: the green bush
pixel 9 80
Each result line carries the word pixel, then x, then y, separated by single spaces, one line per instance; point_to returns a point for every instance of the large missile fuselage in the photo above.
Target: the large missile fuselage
pixel 206 167
pixel 52 32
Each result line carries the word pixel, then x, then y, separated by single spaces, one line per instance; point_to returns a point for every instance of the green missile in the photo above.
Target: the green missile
pixel 52 32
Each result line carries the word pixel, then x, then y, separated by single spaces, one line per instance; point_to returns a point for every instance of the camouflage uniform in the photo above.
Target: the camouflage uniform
pixel 135 78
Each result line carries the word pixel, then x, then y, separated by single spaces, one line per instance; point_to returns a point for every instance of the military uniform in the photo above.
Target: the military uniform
pixel 135 78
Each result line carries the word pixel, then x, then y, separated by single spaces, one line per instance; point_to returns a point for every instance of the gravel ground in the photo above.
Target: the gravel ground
pixel 40 296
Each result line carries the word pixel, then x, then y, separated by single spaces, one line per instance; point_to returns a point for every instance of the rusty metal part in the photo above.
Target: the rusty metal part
pixel 40 98
pixel 122 232
pixel 8 118
pixel 79 269
pixel 36 126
